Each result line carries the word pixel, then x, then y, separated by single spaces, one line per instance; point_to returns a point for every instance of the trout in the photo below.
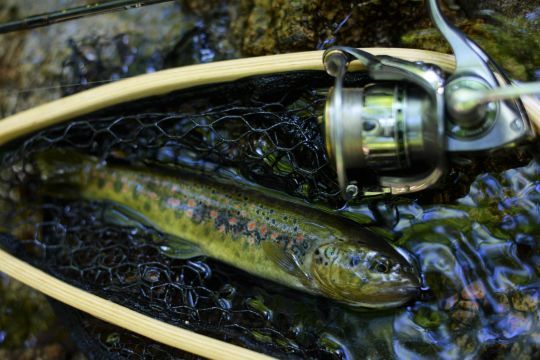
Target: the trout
pixel 279 240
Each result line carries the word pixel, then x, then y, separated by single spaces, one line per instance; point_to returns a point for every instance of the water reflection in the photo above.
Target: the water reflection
pixel 480 262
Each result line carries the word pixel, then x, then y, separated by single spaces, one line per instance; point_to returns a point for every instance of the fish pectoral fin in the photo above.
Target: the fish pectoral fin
pixel 178 248
pixel 122 215
pixel 173 246
pixel 286 261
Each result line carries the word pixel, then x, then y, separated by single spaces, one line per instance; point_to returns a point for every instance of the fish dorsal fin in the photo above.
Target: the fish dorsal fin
pixel 174 246
pixel 286 261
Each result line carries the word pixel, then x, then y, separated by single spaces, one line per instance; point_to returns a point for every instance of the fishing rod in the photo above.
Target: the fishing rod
pixel 74 13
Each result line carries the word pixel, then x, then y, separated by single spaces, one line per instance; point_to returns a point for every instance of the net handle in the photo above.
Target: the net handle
pixel 121 316
pixel 165 81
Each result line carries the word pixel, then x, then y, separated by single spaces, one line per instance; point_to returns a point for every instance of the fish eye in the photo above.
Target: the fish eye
pixel 381 265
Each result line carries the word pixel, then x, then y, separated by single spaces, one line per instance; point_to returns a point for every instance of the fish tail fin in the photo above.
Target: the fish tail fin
pixel 60 166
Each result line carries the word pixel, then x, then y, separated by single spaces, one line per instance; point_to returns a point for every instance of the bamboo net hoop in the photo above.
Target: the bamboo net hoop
pixel 154 84
pixel 122 316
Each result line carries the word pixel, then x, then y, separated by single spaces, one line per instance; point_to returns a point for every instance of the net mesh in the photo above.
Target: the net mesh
pixel 265 133
pixel 270 138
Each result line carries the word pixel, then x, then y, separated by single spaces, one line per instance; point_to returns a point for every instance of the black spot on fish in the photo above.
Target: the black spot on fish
pixel 206 231
pixel 117 186
pixel 135 192
pixel 317 252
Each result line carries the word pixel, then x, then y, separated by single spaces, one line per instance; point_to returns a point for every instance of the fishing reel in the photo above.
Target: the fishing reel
pixel 398 129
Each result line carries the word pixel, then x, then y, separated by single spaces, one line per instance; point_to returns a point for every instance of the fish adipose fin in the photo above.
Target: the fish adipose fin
pixel 173 246
pixel 286 261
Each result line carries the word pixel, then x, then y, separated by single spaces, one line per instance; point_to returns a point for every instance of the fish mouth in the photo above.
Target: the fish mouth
pixel 410 290
pixel 389 298
pixel 407 292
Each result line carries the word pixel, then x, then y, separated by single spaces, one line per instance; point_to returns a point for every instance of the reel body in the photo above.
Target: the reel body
pixel 401 126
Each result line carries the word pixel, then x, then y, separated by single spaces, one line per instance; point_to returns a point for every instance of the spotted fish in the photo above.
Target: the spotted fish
pixel 282 241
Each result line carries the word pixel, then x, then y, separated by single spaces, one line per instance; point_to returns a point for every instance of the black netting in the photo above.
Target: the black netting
pixel 264 132
pixel 271 138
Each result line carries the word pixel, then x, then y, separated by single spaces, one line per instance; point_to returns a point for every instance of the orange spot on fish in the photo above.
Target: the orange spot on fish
pixel 263 230
pixel 191 203
pixel 213 214
pixel 274 236
pixel 233 221
pixel 251 225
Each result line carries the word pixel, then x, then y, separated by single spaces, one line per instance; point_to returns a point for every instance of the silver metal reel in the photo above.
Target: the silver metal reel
pixel 400 127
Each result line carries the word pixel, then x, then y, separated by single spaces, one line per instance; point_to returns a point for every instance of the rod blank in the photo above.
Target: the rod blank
pixel 78 12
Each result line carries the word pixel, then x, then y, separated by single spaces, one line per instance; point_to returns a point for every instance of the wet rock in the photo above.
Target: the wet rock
pixel 525 300
pixel 462 318
pixel 508 7
pixel 468 305
pixel 31 61
pixel 502 304
pixel 466 343
pixel 475 290
pixel 428 317
pixel 266 27
pixel 511 41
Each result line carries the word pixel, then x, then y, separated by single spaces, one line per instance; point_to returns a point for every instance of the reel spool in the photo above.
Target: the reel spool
pixel 400 127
